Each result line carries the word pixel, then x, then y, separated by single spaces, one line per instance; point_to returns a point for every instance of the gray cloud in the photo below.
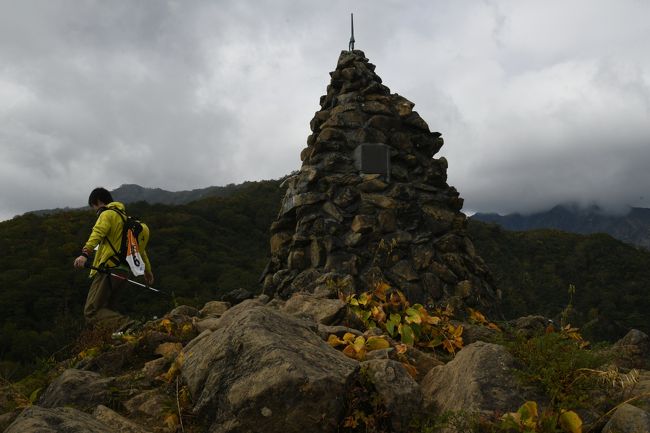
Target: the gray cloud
pixel 538 102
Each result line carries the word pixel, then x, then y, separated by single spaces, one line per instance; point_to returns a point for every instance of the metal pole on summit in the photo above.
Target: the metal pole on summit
pixel 351 45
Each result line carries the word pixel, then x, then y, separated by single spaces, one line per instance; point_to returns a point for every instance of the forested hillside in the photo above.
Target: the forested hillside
pixel 535 269
pixel 204 249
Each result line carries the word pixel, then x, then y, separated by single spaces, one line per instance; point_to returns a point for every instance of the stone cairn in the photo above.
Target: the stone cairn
pixel 341 225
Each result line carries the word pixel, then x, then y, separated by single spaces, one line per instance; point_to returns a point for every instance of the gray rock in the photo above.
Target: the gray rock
pixel 211 323
pixel 36 419
pixel 326 330
pixel 305 305
pixel 214 308
pixel 473 333
pixel 117 421
pixel 83 389
pixel 236 296
pixel 628 419
pixel 155 368
pixel 150 403
pixel 479 378
pixel 633 350
pixel 184 310
pixel 530 326
pixel 642 388
pixel 266 368
pixel 398 391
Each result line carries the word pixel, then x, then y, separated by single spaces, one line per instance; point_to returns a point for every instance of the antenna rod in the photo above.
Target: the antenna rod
pixel 351 46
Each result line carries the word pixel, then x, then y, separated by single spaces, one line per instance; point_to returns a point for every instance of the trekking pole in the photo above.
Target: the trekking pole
pixel 122 277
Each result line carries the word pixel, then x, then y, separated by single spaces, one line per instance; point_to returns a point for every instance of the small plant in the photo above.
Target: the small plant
pixel 413 325
pixel 365 411
pixel 356 347
pixel 556 363
pixel 527 419
pixel 478 318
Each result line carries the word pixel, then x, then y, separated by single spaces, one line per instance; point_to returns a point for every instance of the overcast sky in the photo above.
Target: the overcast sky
pixel 539 102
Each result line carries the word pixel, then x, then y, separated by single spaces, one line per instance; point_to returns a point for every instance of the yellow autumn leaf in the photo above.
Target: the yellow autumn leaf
pixel 528 414
pixel 380 290
pixel 349 337
pixel 359 344
pixel 401 348
pixel 171 421
pixel 175 368
pixel 570 422
pixel 334 341
pixel 352 352
pixel 410 369
pixel 350 422
pixel 476 316
pixel 376 343
pixel 378 314
pixel 349 351
pixel 364 298
pixel 494 326
pixel 167 325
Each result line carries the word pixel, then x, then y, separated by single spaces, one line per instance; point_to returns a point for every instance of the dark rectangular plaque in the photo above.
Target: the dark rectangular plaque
pixel 372 158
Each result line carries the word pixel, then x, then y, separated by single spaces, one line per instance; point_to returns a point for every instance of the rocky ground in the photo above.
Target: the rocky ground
pixel 269 366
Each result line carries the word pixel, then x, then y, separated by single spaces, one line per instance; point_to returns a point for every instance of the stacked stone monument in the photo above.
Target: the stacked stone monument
pixel 371 204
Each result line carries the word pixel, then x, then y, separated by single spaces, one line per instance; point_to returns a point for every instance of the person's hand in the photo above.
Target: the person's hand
pixel 148 277
pixel 80 262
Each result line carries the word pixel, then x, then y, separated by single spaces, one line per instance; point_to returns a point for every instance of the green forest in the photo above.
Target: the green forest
pixel 205 249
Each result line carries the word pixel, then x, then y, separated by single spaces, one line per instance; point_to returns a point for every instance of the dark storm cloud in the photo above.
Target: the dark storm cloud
pixel 184 95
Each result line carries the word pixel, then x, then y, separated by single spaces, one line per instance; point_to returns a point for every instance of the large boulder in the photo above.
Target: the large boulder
pixel 628 419
pixel 82 389
pixel 633 350
pixel 479 379
pixel 398 391
pixel 263 367
pixel 36 419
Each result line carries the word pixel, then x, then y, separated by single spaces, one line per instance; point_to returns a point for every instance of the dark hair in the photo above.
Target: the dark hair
pixel 99 194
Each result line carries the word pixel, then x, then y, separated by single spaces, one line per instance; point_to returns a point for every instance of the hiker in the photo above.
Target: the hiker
pixel 106 238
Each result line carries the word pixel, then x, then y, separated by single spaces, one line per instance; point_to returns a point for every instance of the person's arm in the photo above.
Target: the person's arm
pixel 100 229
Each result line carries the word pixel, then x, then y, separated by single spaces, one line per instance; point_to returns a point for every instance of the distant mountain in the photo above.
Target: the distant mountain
pixel 633 227
pixel 131 193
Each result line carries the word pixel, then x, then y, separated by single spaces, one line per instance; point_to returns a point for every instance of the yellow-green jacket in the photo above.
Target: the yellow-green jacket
pixel 107 231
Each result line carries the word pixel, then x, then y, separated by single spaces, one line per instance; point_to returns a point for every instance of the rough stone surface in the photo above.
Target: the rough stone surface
pixel 150 403
pixel 628 419
pixel 406 223
pixel 83 389
pixel 236 296
pixel 642 388
pixel 530 326
pixel 266 368
pixel 155 368
pixel 633 350
pixel 480 378
pixel 184 310
pixel 210 323
pixel 36 419
pixel 118 423
pixel 325 311
pixel 398 391
pixel 214 308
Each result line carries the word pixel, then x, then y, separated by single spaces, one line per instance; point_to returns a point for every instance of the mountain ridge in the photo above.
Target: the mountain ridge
pixel 632 227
